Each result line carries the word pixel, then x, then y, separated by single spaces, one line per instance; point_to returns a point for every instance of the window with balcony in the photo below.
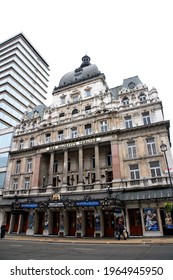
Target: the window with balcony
pixel 48 138
pixel 128 122
pixel 29 165
pixel 131 149
pixel 87 129
pixel 155 170
pixel 60 135
pixel 15 184
pixel 151 146
pixel 18 166
pixel 74 132
pixel 104 126
pixel 27 183
pixel 146 118
pixel 134 174
pixel 125 101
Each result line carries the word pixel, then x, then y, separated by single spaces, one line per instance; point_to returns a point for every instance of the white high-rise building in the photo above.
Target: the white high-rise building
pixel 24 78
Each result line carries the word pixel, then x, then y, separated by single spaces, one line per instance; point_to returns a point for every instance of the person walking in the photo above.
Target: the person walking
pixel 120 229
pixel 3 228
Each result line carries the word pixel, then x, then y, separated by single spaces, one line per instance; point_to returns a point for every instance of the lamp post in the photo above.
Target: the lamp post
pixel 163 148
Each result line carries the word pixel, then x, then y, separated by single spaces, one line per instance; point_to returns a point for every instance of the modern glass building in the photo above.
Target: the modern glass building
pixel 24 78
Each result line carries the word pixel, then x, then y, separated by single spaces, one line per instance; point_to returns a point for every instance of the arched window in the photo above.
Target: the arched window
pixel 125 101
pixel 75 111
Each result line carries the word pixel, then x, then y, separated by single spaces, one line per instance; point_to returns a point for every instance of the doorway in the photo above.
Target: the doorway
pixel 24 222
pixel 109 223
pixel 72 223
pixel 89 223
pixel 55 222
pixel 40 222
pixel 135 222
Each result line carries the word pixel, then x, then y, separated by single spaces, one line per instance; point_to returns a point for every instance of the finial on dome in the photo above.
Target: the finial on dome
pixel 85 61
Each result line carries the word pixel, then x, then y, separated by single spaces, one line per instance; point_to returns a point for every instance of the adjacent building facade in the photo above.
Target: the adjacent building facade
pixel 90 157
pixel 23 84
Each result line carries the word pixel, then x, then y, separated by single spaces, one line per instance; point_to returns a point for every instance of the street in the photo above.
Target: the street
pixel 35 250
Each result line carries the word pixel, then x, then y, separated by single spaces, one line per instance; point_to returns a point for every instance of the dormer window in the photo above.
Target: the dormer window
pixel 61 115
pixel 88 109
pixel 21 144
pixel 125 101
pixel 142 98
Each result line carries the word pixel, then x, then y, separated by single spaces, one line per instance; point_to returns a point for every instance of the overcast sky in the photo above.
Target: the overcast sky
pixel 124 38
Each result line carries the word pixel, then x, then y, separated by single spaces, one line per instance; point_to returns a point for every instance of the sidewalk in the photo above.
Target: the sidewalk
pixel 84 240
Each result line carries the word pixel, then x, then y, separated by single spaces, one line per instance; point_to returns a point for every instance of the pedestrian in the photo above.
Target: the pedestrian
pixel 120 229
pixel 3 228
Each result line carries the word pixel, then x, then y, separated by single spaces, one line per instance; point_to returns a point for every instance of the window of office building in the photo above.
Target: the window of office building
pixel 5 140
pixel 131 149
pixel 3 159
pixel 151 146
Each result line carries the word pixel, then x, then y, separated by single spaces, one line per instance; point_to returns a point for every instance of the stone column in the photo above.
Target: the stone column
pixel 51 169
pixel 31 222
pixel 80 184
pixel 36 174
pixel 65 168
pixel 115 161
pixel 97 167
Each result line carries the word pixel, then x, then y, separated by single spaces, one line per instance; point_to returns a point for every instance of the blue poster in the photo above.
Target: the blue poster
pixel 150 219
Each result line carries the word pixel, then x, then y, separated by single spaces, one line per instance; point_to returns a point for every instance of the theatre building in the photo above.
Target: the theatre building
pixel 90 157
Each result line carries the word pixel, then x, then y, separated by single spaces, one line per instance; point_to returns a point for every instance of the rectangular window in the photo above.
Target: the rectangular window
pixel 88 109
pixel 151 146
pixel 109 159
pixel 87 93
pixel 134 174
pixel 74 132
pixel 21 144
pixel 29 165
pixel 87 129
pixel 55 166
pixel 15 184
pixel 104 126
pixel 155 169
pixel 27 183
pixel 18 164
pixel 131 149
pixel 48 138
pixel 146 118
pixel 31 142
pixel 2 179
pixel 60 135
pixel 75 98
pixel 128 121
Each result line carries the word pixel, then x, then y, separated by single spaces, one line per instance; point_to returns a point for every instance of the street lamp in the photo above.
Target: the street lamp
pixel 163 148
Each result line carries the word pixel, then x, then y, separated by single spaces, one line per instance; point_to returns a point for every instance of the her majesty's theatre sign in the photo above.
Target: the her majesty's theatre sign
pixel 74 144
